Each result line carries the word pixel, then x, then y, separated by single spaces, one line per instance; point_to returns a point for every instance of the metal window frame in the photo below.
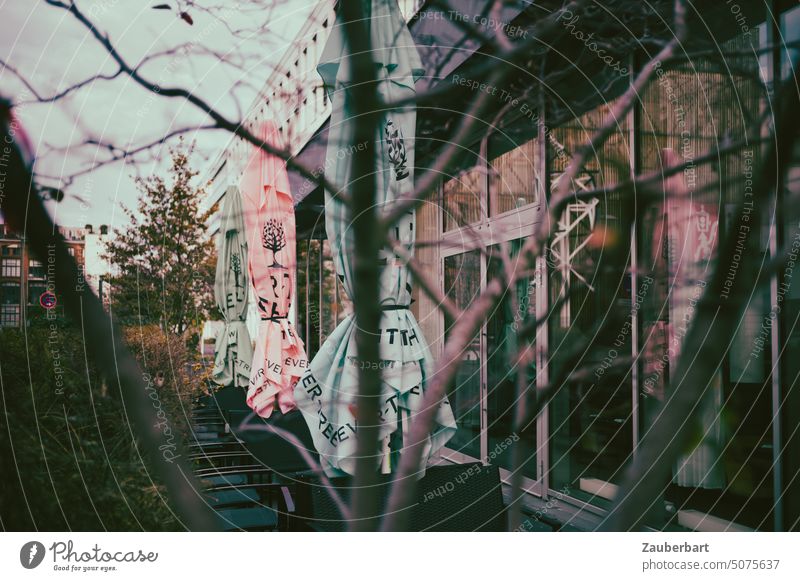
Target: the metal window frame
pixel 453 242
pixel 490 230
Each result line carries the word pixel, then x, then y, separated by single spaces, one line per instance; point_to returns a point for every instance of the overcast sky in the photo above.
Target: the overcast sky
pixel 55 51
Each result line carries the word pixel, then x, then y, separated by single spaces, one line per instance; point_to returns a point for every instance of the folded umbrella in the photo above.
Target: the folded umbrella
pixel 233 351
pixel 279 357
pixel 327 393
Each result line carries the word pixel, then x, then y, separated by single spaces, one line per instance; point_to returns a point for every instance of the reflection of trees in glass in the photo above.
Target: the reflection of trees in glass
pixel 273 238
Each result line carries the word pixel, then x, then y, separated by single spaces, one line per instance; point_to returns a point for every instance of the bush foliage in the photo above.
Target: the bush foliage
pixel 68 452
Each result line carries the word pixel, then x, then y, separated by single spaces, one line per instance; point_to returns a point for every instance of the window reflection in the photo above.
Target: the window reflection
pixel 590 418
pixel 462 283
pixel 726 471
pixel 513 182
pixel 516 308
pixel 462 199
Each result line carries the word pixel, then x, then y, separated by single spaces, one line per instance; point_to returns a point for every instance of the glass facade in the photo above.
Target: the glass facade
pixel 510 363
pixel 618 289
pixel 727 472
pixel 483 211
pixel 590 419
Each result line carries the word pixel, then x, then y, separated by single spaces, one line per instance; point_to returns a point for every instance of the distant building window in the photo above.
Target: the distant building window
pixel 10 293
pixel 12 250
pixel 9 315
pixel 35 291
pixel 11 268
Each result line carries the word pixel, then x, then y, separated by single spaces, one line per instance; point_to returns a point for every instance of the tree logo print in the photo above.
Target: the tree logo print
pixel 273 238
pixel 236 267
pixel 397 150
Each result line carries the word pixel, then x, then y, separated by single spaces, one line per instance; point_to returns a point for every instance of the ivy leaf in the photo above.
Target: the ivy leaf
pixel 185 16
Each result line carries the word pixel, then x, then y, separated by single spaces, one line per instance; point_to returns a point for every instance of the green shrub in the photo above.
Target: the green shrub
pixel 69 456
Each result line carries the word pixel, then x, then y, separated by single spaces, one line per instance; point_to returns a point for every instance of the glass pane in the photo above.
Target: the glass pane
pixel 11 293
pixel 727 469
pixel 9 315
pixel 790 34
pixel 321 301
pixel 790 316
pixel 513 312
pixel 426 309
pixel 461 200
pixel 36 269
pixel 35 292
pixel 590 418
pixel 462 283
pixel 513 182
pixel 10 305
pixel 11 267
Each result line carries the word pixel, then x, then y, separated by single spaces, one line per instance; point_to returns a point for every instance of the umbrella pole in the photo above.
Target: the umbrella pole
pixel 386 456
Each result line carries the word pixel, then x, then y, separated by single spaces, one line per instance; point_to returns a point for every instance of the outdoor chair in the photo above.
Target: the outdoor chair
pixel 215 446
pixel 220 458
pixel 246 499
pixel 460 497
pixel 255 518
pixel 455 497
pixel 253 471
pixel 229 398
pixel 271 449
pixel 232 498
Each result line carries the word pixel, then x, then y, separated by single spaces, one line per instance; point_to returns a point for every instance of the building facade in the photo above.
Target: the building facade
pixel 621 280
pixel 27 282
pixel 24 279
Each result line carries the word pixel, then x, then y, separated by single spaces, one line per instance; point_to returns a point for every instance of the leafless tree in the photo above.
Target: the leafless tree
pixel 662 36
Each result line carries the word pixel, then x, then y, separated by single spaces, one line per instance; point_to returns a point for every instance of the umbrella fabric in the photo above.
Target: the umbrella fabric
pixel 233 351
pixel 280 356
pixel 327 393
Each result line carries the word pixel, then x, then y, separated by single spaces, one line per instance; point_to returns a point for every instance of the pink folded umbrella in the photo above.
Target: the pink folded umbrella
pixel 279 358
